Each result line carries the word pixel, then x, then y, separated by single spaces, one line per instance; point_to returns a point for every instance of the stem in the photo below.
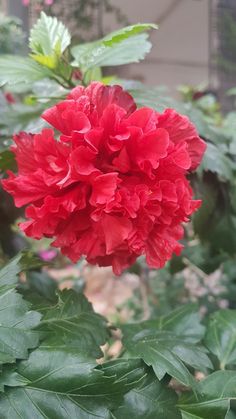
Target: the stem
pixel 145 291
pixel 195 268
pixel 66 86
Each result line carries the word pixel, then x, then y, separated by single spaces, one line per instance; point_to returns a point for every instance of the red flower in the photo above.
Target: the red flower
pixel 113 186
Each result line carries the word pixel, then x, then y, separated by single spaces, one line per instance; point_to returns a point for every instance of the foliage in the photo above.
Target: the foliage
pixel 66 337
pixel 12 37
pixel 121 47
pixel 50 340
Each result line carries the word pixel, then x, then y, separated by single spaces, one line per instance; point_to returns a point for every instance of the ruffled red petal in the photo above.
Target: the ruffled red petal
pixel 113 186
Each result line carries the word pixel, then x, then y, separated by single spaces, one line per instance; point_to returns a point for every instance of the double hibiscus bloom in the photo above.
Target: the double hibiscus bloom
pixel 112 185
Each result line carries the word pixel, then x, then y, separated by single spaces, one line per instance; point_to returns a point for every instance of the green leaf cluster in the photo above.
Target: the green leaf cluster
pixel 50 343
pixel 49 44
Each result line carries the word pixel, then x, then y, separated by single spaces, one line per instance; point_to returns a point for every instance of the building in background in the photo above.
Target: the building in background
pixel 195 43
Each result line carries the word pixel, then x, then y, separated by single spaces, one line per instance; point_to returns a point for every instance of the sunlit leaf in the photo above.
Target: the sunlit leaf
pixel 121 47
pixel 49 36
pixel 16 69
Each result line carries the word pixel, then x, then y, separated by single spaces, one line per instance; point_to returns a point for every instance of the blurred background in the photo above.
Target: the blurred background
pixel 195 43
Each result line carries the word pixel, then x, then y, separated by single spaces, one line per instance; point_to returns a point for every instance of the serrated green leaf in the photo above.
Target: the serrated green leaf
pixel 126 32
pixel 168 343
pixel 16 324
pixel 97 54
pixel 221 336
pixel 16 319
pixel 73 321
pixel 212 397
pixel 43 285
pixel 23 261
pixel 8 274
pixel 64 384
pixel 150 400
pixel 215 161
pixel 16 69
pixel 10 378
pixel 121 47
pixel 49 36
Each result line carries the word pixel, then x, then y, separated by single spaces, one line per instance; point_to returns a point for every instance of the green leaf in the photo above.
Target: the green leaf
pixel 168 343
pixel 30 261
pixel 16 319
pixel 203 219
pixel 42 284
pixel 221 336
pixel 126 32
pixel 7 160
pixel 16 69
pixel 215 161
pixel 151 400
pixel 9 377
pixel 8 274
pixel 94 73
pixel 212 397
pixel 231 91
pixel 121 47
pixel 73 321
pixel 47 88
pixel 221 231
pixel 50 61
pixel 157 97
pixel 49 36
pixel 231 415
pixel 228 130
pixel 62 383
pixel 22 117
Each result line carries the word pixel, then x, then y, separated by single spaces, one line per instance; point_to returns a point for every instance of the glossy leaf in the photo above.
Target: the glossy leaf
pixel 73 322
pixel 215 161
pixel 221 337
pixel 43 285
pixel 16 318
pixel 62 383
pixel 49 36
pixel 8 274
pixel 150 400
pixel 212 397
pixel 16 69
pixel 121 47
pixel 170 342
pixel 126 32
